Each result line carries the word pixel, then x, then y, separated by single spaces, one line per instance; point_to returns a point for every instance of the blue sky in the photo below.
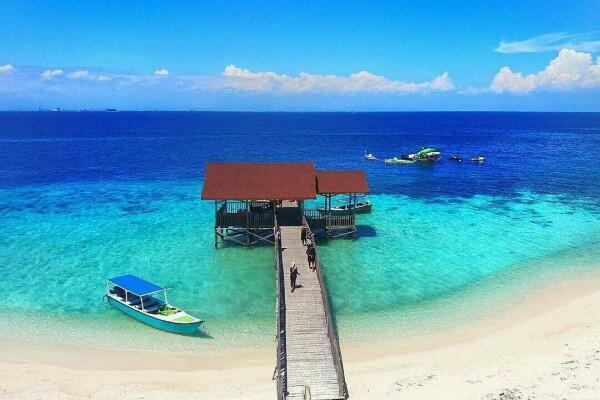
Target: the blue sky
pixel 301 55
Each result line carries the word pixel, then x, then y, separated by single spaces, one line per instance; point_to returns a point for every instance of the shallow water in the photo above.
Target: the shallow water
pixel 83 198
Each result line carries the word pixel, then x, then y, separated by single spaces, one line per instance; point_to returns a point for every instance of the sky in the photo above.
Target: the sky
pixel 300 55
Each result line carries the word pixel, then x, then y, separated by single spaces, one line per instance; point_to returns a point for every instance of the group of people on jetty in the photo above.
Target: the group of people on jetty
pixel 308 240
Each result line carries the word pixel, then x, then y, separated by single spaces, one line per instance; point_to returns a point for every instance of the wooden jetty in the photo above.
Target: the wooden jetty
pixel 309 360
pixel 252 201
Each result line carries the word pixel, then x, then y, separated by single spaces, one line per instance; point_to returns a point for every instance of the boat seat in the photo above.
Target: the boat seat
pixel 151 308
pixel 133 299
pixel 118 291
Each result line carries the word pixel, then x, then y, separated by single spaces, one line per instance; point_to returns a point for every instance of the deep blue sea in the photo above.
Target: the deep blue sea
pixel 88 195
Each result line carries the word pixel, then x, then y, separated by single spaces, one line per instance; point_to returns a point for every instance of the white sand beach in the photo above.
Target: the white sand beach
pixel 547 347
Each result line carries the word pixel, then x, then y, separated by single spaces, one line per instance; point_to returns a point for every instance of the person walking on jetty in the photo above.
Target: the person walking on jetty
pixel 303 235
pixel 278 237
pixel 312 258
pixel 293 275
pixel 309 240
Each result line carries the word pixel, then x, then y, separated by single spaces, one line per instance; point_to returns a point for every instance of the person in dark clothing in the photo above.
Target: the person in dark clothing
pixel 312 258
pixel 303 235
pixel 293 275
pixel 278 237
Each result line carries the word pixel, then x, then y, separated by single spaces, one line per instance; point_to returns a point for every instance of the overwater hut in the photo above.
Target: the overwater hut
pixel 247 197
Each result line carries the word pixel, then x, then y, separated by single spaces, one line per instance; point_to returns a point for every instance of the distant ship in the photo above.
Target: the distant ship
pixel 111 110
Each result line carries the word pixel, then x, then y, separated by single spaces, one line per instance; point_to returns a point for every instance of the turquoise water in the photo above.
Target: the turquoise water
pixel 414 260
pixel 87 196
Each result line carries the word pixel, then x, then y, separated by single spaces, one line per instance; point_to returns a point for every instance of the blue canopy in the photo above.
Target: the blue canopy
pixel 135 285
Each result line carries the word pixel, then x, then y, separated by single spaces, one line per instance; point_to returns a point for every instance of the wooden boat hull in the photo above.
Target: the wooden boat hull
pixel 183 328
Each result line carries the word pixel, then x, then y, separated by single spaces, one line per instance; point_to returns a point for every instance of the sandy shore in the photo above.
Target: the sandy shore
pixel 547 347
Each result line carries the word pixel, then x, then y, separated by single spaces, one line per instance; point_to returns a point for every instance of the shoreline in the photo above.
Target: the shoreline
pixel 545 337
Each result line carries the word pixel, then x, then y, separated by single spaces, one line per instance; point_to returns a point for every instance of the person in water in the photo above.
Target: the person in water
pixel 293 275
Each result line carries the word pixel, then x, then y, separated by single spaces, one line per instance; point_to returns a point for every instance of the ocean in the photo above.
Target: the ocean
pixel 85 196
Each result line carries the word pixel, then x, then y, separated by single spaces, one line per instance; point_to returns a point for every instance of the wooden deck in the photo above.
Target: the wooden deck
pixel 308 355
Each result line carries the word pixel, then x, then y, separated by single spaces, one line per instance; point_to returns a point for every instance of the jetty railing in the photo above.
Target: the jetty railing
pixel 281 367
pixel 331 332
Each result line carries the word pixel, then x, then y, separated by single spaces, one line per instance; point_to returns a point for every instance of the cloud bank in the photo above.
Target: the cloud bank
pixel 551 42
pixel 235 87
pixel 568 71
pixel 6 69
pixel 243 79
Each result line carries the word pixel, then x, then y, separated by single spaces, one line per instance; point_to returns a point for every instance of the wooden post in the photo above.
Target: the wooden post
pixel 248 222
pixel 216 224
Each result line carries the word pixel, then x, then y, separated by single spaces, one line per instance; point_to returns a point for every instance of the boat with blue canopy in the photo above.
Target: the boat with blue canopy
pixel 147 302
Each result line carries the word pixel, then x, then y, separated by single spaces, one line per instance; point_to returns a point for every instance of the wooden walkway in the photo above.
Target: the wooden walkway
pixel 313 368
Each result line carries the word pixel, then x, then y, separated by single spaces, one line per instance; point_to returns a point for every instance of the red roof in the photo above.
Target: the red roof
pixel 334 182
pixel 258 181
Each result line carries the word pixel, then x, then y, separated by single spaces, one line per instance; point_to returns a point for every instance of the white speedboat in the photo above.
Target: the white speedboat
pixel 396 160
pixel 369 156
pixel 360 207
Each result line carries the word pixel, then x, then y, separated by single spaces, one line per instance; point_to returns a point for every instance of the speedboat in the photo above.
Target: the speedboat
pixel 396 160
pixel 138 298
pixel 360 207
pixel 456 158
pixel 369 156
pixel 428 154
pixel 478 159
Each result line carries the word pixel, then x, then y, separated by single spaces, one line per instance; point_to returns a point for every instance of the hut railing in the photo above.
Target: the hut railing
pixel 340 221
pixel 261 220
pixel 281 368
pixel 331 333
pixel 244 215
pixel 316 218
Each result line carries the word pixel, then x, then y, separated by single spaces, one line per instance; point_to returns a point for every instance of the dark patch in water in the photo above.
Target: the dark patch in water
pixel 366 231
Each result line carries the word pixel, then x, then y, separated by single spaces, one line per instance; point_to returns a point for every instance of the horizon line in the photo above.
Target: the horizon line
pixel 116 111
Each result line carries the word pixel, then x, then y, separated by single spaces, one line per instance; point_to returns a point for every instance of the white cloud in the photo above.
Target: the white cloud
pixel 363 81
pixel 81 74
pixel 508 81
pixel 6 69
pixel 161 72
pixel 552 42
pixel 85 74
pixel 50 74
pixel 569 70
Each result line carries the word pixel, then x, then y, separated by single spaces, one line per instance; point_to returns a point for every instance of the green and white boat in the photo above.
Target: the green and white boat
pixel 139 299
pixel 428 154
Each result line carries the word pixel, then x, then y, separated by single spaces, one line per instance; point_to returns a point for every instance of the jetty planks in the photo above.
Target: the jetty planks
pixel 310 356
